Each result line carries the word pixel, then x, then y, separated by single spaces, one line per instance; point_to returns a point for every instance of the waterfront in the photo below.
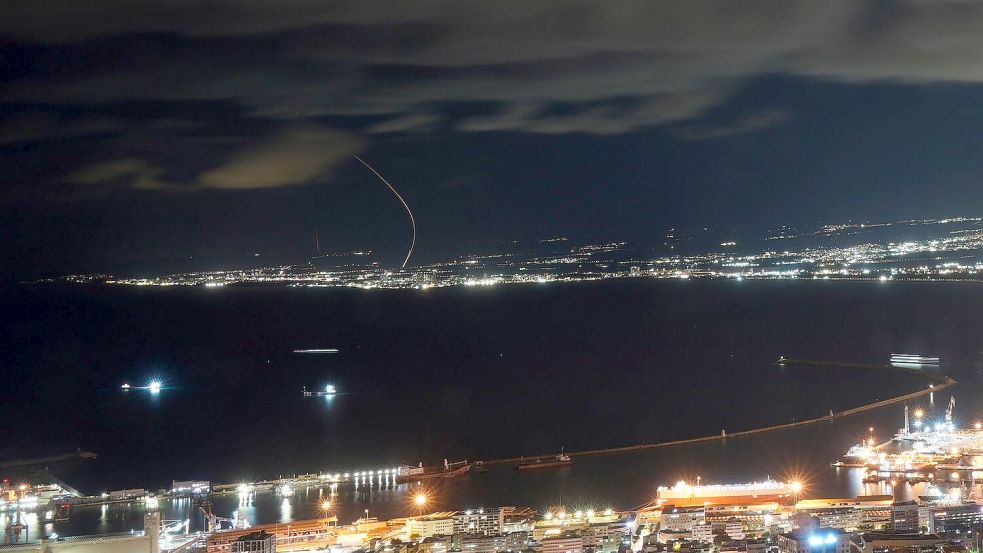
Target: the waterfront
pixel 512 367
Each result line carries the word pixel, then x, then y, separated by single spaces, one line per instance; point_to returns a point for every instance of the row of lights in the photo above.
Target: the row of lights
pixel 154 386
pixel 245 489
pixel 919 413
pixel 562 515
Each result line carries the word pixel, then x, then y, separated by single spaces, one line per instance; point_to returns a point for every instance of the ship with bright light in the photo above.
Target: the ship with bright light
pixel 767 491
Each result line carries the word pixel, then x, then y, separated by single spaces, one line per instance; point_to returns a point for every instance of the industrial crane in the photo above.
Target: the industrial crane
pixel 214 521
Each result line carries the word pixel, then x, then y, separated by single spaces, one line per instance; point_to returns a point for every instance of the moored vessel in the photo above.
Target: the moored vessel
pixel 559 460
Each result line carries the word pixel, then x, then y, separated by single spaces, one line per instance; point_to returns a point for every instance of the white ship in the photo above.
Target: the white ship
pixel 766 491
pixel 912 359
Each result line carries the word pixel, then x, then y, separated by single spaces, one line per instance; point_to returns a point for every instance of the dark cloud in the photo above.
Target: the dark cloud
pixel 745 124
pixel 167 86
pixel 294 156
pixel 129 172
pixel 40 126
pixel 613 67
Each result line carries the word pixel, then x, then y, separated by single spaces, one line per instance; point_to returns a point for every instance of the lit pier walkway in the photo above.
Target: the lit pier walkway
pixel 937 383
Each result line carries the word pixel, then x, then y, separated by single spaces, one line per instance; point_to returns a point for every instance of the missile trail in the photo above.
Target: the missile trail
pixel 405 205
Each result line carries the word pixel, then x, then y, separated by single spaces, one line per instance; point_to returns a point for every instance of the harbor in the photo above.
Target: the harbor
pixel 930 448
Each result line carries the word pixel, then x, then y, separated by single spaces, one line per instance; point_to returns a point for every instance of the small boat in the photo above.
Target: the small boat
pixel 912 359
pixel 328 391
pixel 559 460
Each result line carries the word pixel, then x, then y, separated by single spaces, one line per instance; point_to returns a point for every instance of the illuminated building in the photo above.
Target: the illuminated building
pixel 901 543
pixel 952 519
pixel 255 542
pixel 844 518
pixel 904 517
pixel 435 544
pixel 567 543
pixel 681 518
pixel 702 532
pixel 435 524
pixel 479 521
pixel 732 528
pixel 604 537
pixel 669 535
pixel 516 541
pixel 743 546
pixel 823 540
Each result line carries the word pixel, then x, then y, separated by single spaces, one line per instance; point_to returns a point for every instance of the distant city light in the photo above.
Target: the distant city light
pixel 420 499
pixel 154 386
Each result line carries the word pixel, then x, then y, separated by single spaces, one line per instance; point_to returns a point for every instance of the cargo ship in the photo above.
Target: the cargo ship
pixel 684 494
pixel 409 473
pixel 559 460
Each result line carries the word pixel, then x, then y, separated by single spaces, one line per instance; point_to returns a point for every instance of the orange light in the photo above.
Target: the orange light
pixel 326 505
pixel 420 499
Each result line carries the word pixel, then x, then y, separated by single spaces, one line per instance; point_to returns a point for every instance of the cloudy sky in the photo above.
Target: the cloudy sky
pixel 138 132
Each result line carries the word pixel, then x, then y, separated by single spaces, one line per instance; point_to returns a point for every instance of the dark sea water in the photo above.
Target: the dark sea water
pixel 464 373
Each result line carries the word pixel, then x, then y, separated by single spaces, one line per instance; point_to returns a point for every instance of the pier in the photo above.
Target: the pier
pixel 937 383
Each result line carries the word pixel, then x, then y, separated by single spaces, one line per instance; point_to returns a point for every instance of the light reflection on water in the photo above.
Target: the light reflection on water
pixel 645 367
pixel 349 503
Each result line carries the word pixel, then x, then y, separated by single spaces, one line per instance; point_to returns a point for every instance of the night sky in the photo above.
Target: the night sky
pixel 133 134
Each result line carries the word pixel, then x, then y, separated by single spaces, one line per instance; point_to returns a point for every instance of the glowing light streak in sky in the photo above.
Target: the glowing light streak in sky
pixel 405 205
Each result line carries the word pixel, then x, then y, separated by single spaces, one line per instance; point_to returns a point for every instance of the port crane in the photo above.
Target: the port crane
pixel 214 521
pixel 948 410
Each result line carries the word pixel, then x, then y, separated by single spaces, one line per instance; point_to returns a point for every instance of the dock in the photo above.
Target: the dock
pixel 937 383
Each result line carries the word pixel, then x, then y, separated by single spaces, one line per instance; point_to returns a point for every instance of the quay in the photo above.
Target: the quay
pixel 937 383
